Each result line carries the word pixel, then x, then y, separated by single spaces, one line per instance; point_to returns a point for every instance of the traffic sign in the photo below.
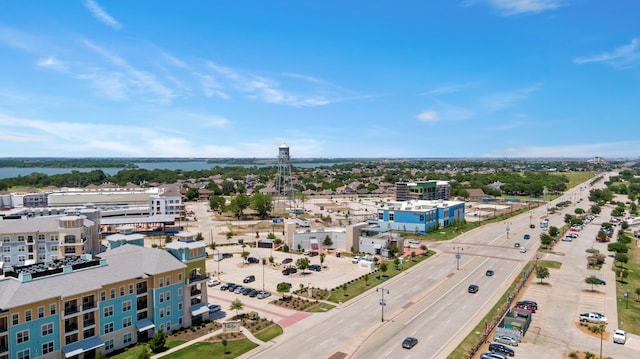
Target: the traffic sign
pixel 458 256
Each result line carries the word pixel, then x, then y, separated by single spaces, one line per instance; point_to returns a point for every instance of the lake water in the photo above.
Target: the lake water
pixel 11 172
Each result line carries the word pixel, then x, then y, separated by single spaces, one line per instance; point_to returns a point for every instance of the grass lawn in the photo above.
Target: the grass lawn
pixel 320 308
pixel 133 352
pixel 235 348
pixel 550 264
pixel 630 317
pixel 269 333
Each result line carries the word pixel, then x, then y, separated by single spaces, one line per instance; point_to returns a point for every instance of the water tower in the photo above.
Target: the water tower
pixel 284 186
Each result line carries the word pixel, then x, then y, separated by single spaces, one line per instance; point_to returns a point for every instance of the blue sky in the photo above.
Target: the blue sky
pixel 454 78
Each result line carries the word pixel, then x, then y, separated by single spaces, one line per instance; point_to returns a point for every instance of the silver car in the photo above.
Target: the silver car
pixel 504 339
pixel 492 355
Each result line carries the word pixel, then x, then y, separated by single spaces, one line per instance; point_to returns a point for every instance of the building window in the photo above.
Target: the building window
pixel 6 239
pixel 112 293
pixel 40 312
pixel 381 216
pixel 168 311
pixel 108 345
pixel 108 328
pixel 168 280
pixel 179 277
pixel 107 311
pixel 24 354
pixel 47 348
pixel 126 339
pixel 47 329
pixel 54 257
pixel 161 297
pixel 179 292
pixel 6 249
pixel 161 313
pixel 103 296
pixel 161 282
pixel 180 321
pixel 126 322
pixel 21 258
pixel 130 288
pixel 121 290
pixel 41 258
pixel 20 238
pixel 27 315
pixel 52 309
pixel 15 318
pixel 41 237
pixel 391 216
pixel 21 248
pixel 54 248
pixel 179 306
pixel 7 259
pixel 22 336
pixel 126 306
pixel 168 296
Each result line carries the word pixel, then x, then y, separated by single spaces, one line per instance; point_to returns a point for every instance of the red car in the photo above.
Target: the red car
pixel 530 308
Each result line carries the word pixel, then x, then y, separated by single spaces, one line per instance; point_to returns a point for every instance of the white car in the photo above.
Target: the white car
pixel 619 336
pixel 523 250
pixel 213 282
pixel 263 294
pixel 414 241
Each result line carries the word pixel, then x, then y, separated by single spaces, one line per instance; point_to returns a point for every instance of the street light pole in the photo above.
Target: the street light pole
pixel 263 263
pixel 626 299
pixel 218 264
pixel 382 302
pixel 458 256
pixel 508 229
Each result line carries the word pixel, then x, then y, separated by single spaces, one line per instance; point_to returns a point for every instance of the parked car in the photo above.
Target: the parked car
pixel 263 294
pixel 289 270
pixel 227 286
pixel 501 348
pixel 249 279
pixel 489 273
pixel 315 267
pixel 516 244
pixel 532 225
pixel 253 293
pixel 593 317
pixel 619 336
pixel 313 254
pixel 414 241
pixel 227 255
pixel 505 339
pixel 213 282
pixel 306 253
pixel 527 236
pixel 523 250
pixel 492 355
pixel 473 288
pixel 527 307
pixel 355 260
pixel 567 239
pixel 528 302
pixel 287 260
pixel 409 342
pixel 238 289
pixel 246 290
pixel 253 260
pixel 214 308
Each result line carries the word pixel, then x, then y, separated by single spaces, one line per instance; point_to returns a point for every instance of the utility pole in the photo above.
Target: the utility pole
pixel 383 303
pixel 458 256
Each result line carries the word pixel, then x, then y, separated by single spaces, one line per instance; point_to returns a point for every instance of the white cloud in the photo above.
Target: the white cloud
pixel 501 100
pixel 427 116
pixel 99 13
pixel 517 7
pixel 622 57
pixel 52 63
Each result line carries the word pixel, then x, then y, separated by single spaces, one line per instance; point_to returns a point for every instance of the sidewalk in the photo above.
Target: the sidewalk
pixel 243 330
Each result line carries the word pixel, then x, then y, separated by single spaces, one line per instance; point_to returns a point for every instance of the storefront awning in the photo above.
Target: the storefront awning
pixel 80 347
pixel 198 309
pixel 144 324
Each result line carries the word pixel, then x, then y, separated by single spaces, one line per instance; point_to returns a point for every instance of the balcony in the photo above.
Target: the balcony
pixel 88 306
pixel 70 310
pixel 88 323
pixel 141 289
pixel 195 278
pixel 195 292
pixel 71 327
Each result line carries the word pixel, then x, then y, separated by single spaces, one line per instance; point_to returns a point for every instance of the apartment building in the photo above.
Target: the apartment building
pixel 426 190
pixel 75 307
pixel 419 216
pixel 28 240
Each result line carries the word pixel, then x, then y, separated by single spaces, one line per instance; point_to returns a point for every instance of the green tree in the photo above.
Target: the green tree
pixel 366 280
pixel 157 343
pixel 554 231
pixel 144 353
pixel 238 204
pixel 302 263
pixel 216 203
pixel 167 239
pixel 327 242
pixel 595 209
pixel 192 194
pixel 224 343
pixel 262 203
pixel 542 272
pixel 244 256
pixel 593 280
pixel 283 287
pixel 236 305
pixel 383 267
pixel 546 239
pixel 228 187
pixel 322 256
pixel 617 247
pixel 424 248
pixel 622 258
pixel 199 236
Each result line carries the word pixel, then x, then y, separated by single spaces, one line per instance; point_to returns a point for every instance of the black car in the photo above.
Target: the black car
pixel 289 270
pixel 473 288
pixel 287 260
pixel 246 291
pixel 249 279
pixel 228 286
pixel 532 226
pixel 315 267
pixel 489 273
pixel 500 348
pixel 253 260
pixel 227 255
pixel 313 254
pixel 409 342
pixel 253 293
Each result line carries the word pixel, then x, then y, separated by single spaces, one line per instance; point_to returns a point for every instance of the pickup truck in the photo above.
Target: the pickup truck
pixel 593 318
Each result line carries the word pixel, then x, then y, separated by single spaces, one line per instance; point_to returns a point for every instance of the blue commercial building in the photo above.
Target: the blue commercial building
pixel 420 216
